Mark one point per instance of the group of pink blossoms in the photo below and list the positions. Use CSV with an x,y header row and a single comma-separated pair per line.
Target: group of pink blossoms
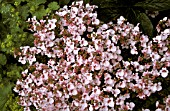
x,y
86,69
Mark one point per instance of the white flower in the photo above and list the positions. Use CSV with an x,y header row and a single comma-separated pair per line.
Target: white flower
x,y
84,42
51,24
157,103
74,10
108,88
75,103
91,108
59,94
75,51
158,109
104,26
167,31
51,100
62,13
90,29
155,56
83,106
164,72
108,42
132,105
106,63
157,39
120,73
85,96
154,88
51,62
120,20
16,90
96,22
116,92
136,28
90,49
126,64
159,87
22,60
70,86
74,92
122,84
133,51
31,59
111,103
52,35
111,32
29,80
97,67
165,19
113,48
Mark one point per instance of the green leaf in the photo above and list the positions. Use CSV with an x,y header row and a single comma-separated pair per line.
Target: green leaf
x,y
24,14
154,5
86,1
53,6
9,1
4,92
96,2
3,59
6,8
40,12
38,2
146,24
63,2
110,13
110,4
35,3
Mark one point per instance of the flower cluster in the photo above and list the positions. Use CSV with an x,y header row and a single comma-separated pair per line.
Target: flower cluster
x,y
87,68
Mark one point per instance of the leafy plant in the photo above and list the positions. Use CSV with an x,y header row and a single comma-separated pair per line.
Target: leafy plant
x,y
4,92
14,33
133,10
3,59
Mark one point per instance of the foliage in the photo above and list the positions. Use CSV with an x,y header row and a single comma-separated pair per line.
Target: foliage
x,y
4,92
154,5
12,104
133,10
13,34
3,59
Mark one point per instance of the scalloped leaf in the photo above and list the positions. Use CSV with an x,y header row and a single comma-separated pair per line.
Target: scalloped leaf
x,y
35,3
154,5
3,59
4,92
5,9
63,2
53,6
38,2
40,12
24,14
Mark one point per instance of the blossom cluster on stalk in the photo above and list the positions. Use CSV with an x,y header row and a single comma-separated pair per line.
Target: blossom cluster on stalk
x,y
86,68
